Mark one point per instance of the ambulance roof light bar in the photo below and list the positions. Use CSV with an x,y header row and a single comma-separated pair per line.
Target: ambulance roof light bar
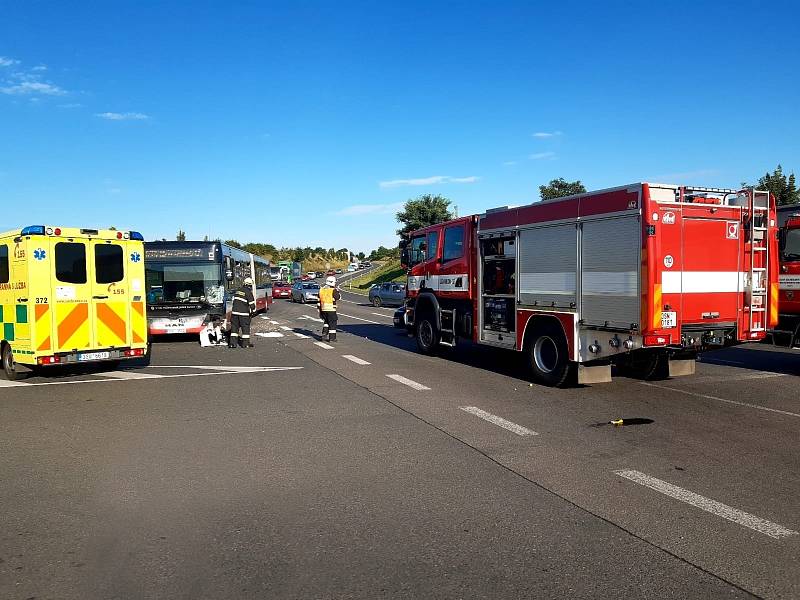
x,y
33,230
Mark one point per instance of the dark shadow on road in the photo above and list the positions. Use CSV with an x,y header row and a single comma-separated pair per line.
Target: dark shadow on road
x,y
758,357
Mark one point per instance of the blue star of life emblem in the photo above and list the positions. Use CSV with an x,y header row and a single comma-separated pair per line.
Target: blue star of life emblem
x,y
39,254
136,257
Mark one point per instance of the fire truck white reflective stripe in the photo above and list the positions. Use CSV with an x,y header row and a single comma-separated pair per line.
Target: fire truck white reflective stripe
x,y
444,283
699,282
241,314
547,283
610,283
789,282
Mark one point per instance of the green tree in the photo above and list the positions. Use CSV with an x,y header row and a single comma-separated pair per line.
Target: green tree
x,y
560,187
422,211
783,188
233,243
361,256
181,237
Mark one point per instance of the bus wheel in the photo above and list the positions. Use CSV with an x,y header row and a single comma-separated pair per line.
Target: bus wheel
x,y
9,364
427,335
548,358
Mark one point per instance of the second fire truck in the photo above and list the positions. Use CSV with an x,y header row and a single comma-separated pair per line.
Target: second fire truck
x,y
642,276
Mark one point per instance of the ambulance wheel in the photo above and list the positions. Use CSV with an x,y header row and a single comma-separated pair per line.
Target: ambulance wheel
x,y
548,356
9,364
427,335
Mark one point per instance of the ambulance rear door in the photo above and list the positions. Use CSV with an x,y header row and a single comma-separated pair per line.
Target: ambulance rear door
x,y
110,297
71,296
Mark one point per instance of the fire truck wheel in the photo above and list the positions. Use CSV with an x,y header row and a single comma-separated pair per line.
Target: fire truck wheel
x,y
9,364
646,365
548,356
427,335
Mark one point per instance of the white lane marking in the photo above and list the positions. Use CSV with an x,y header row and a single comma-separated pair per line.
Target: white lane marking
x,y
499,421
355,359
410,383
707,397
300,335
323,345
274,323
228,371
271,334
360,319
719,509
308,318
382,315
127,374
285,328
742,377
349,301
6,383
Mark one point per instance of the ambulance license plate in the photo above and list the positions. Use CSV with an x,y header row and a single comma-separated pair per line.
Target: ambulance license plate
x,y
669,319
94,356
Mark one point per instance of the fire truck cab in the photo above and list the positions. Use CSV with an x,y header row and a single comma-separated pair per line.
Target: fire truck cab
x,y
787,331
643,276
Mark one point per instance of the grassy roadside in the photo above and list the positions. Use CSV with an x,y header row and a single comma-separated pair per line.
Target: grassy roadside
x,y
389,271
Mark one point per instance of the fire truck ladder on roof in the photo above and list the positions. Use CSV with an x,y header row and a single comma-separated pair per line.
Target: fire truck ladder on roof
x,y
759,259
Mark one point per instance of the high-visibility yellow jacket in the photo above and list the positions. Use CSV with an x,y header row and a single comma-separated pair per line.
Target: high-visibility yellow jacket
x,y
327,299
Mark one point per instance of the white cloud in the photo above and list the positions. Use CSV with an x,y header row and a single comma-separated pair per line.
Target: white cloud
x,y
510,163
114,190
434,180
542,155
546,134
128,116
7,62
358,210
70,105
39,68
29,87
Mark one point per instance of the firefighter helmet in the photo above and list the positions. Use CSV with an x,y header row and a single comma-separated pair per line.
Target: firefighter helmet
x,y
248,281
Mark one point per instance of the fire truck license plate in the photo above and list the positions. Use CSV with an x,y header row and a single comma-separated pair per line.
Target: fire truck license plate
x,y
94,356
669,319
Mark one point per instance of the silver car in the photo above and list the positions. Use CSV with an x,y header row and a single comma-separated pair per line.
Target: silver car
x,y
305,291
389,293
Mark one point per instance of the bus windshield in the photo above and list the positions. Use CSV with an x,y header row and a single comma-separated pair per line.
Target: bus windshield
x,y
184,283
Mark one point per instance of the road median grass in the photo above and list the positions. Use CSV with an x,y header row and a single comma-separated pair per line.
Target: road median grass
x,y
388,271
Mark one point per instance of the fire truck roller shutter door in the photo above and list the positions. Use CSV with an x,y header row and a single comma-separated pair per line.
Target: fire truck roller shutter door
x,y
611,250
548,258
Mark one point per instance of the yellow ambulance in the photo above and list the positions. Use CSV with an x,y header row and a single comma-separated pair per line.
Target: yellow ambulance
x,y
70,296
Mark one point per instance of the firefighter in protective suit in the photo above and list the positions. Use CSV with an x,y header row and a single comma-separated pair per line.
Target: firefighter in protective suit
x,y
244,306
328,297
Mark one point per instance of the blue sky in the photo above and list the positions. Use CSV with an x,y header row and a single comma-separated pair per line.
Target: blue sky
x,y
309,123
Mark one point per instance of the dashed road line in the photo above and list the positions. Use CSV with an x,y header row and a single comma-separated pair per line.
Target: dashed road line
x,y
385,316
285,328
741,377
271,334
410,383
297,334
360,319
355,359
718,399
499,421
323,345
719,509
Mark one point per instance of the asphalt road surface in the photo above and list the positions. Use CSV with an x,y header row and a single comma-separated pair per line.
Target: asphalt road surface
x,y
362,469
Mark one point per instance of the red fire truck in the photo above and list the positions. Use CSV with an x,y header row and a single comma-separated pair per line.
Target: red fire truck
x,y
643,276
788,329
